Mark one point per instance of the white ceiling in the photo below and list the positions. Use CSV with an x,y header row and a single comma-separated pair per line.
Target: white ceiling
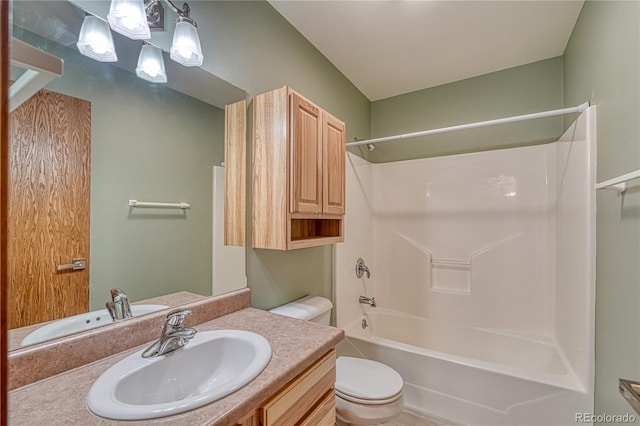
x,y
387,48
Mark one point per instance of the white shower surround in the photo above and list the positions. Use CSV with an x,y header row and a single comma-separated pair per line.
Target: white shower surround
x,y
483,267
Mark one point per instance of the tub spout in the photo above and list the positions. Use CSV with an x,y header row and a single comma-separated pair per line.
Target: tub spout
x,y
371,301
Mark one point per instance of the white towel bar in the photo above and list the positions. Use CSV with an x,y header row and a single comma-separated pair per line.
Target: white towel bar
x,y
149,204
620,183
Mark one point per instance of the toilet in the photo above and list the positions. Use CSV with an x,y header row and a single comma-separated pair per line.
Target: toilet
x,y
367,392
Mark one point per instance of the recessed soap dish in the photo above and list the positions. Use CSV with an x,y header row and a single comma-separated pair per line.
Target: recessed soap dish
x,y
630,390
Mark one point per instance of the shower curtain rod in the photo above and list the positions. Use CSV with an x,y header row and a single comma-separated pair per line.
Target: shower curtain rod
x,y
580,108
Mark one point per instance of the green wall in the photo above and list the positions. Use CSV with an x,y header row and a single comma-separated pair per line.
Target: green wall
x,y
521,90
256,49
249,44
152,144
253,47
601,64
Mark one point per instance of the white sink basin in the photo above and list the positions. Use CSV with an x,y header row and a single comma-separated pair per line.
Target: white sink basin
x,y
82,322
211,366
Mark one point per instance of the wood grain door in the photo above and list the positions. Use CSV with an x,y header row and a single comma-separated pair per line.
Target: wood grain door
x,y
306,156
334,138
49,164
235,173
4,163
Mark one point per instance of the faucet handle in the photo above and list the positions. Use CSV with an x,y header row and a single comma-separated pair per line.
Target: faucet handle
x,y
117,294
361,269
111,308
177,316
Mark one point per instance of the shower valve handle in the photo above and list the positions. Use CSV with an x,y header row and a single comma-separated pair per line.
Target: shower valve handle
x,y
361,269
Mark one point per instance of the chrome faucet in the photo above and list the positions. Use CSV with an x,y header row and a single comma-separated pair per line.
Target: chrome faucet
x,y
361,268
371,301
174,334
118,306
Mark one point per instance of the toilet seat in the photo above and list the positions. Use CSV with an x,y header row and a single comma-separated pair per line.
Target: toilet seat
x,y
368,382
368,401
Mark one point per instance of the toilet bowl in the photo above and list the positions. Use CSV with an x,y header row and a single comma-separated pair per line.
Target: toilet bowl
x,y
367,392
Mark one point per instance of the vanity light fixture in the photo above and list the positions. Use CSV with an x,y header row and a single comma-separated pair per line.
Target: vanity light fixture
x,y
95,40
133,19
129,18
186,48
151,64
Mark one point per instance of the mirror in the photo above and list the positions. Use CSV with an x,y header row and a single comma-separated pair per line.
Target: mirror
x,y
149,142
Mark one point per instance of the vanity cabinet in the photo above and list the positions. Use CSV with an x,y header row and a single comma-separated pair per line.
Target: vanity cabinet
x,y
298,173
309,399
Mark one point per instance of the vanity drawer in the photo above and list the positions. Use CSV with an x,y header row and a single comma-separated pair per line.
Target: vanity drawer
x,y
306,397
252,419
324,414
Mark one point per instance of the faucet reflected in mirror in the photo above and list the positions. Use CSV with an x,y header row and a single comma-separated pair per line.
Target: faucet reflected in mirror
x,y
146,140
118,306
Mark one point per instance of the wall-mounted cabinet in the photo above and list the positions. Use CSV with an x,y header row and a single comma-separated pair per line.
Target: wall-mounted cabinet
x,y
298,173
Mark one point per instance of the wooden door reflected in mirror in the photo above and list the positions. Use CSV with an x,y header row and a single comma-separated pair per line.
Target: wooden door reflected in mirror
x,y
49,167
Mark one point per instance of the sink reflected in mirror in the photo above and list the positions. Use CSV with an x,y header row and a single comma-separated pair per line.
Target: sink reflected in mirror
x,y
82,322
211,366
148,141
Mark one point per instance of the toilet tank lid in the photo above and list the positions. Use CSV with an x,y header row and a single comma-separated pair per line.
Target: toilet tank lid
x,y
307,308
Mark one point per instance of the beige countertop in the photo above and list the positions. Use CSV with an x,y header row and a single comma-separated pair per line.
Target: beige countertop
x,y
61,399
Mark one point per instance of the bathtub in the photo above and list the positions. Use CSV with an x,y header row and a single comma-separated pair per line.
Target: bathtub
x,y
471,375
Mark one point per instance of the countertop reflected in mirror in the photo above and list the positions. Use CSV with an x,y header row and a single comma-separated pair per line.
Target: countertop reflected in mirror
x,y
149,141
16,335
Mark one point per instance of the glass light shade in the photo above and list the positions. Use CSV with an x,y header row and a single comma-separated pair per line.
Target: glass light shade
x,y
151,65
95,40
129,18
186,48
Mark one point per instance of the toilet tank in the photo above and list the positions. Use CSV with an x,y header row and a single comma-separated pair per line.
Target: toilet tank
x,y
309,308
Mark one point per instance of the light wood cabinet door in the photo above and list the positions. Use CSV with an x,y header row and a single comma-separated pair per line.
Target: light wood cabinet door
x,y
333,164
252,419
324,413
306,156
235,173
308,400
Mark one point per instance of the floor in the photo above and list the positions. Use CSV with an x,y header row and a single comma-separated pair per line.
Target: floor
x,y
409,419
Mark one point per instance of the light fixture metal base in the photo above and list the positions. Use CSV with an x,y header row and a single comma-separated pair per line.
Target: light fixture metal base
x,y
155,15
